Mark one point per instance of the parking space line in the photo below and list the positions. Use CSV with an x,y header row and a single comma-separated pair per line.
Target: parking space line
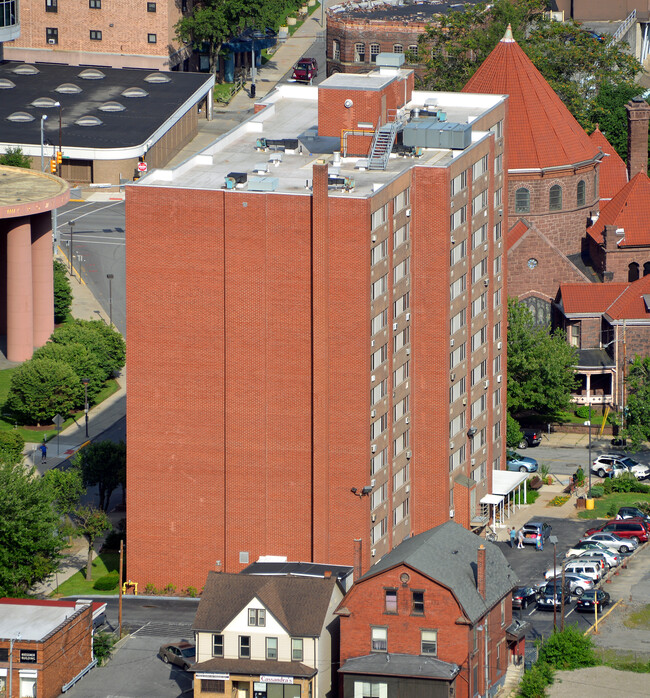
x,y
533,611
566,615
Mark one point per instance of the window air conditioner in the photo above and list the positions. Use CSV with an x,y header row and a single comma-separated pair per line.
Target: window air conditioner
x,y
407,489
453,376
372,342
451,343
498,379
372,379
408,317
499,345
464,401
373,552
394,326
408,454
452,239
406,420
373,238
473,461
408,351
408,212
451,513
373,413
373,448
486,282
373,518
486,385
485,247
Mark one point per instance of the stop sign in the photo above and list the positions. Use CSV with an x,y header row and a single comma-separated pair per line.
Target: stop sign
x,y
142,167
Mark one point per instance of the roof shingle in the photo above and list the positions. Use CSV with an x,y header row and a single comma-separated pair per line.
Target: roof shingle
x,y
612,175
619,301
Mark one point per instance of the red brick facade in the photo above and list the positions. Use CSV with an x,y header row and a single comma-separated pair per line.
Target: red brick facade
x,y
458,641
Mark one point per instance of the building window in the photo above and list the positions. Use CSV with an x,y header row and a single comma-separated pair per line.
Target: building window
x,y
379,530
391,600
499,658
400,236
497,231
633,271
398,48
213,686
360,53
52,35
539,309
646,268
379,287
480,167
459,183
257,617
479,236
379,217
479,304
379,461
244,647
458,218
401,270
95,35
458,252
369,689
417,606
379,638
522,200
574,335
378,357
457,287
429,642
374,52
413,51
217,645
271,647
555,198
51,6
151,7
379,252
378,496
582,192
152,38
296,649
503,612
95,4
336,50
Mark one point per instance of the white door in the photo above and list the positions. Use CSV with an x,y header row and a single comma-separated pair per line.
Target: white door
x,y
27,687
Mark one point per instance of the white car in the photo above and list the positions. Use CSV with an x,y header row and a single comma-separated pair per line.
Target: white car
x,y
584,546
614,465
612,541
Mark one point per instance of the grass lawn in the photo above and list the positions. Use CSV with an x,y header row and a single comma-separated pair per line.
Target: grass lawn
x,y
639,619
77,584
619,499
295,26
36,434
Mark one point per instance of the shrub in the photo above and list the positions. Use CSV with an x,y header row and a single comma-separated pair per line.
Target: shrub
x,y
192,592
608,485
568,650
596,492
612,510
535,680
11,447
103,644
583,412
531,496
42,388
150,589
14,157
170,589
628,483
62,292
107,582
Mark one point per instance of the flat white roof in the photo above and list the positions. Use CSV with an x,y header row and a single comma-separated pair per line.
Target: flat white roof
x,y
291,112
31,622
505,481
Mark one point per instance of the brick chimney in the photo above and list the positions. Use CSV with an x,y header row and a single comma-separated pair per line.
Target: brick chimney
x,y
638,116
609,237
357,559
480,570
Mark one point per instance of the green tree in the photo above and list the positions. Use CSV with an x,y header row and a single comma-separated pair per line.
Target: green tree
x,y
103,464
540,365
66,487
11,447
638,402
14,157
41,388
568,650
91,523
104,342
31,539
514,435
575,63
81,361
62,292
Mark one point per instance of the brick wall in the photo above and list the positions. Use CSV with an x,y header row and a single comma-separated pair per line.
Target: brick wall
x,y
366,603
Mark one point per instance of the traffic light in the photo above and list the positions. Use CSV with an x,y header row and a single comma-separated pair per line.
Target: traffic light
x,y
53,166
59,157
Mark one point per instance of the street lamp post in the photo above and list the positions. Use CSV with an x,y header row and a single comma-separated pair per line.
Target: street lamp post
x,y
85,381
589,463
43,120
58,104
11,662
110,278
553,539
71,224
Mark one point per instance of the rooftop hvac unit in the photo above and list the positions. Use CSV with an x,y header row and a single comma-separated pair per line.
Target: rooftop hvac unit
x,y
263,183
236,180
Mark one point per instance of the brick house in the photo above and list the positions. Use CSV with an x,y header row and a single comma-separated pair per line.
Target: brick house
x,y
608,324
432,617
45,645
267,636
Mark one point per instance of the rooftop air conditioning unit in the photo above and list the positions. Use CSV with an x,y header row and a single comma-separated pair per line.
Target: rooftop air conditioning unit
x,y
373,413
408,454
373,448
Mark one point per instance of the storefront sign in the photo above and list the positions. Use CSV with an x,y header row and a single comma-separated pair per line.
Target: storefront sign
x,y
276,679
214,677
28,656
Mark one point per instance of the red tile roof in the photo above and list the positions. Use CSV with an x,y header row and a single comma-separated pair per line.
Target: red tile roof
x,y
542,132
620,301
629,210
612,173
518,230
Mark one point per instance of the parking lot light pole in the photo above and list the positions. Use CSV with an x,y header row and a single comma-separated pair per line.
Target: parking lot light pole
x,y
110,278
85,381
589,463
553,539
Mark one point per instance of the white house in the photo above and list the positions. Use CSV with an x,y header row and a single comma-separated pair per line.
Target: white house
x,y
261,636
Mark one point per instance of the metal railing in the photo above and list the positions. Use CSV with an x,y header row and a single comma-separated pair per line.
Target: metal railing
x,y
623,29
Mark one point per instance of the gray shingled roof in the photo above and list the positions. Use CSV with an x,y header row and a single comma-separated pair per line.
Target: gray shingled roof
x,y
386,664
299,604
448,554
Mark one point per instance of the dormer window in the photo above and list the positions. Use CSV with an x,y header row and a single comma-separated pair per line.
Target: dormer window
x,y
257,617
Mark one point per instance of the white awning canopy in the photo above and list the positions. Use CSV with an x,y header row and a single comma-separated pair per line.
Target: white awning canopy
x,y
492,499
505,481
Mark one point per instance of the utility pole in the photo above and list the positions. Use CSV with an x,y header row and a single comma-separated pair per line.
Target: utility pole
x,y
119,606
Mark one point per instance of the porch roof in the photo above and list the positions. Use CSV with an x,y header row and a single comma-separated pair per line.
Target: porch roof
x,y
505,481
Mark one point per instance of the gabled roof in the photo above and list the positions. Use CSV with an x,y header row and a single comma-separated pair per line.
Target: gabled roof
x,y
629,210
618,301
299,604
541,130
612,175
447,554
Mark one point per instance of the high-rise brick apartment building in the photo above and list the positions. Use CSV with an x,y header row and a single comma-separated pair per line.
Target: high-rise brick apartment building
x,y
109,33
335,330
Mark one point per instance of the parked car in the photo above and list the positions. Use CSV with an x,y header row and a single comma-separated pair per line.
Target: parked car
x,y
591,598
551,599
533,529
633,529
610,558
615,464
612,541
587,568
578,583
523,596
183,654
305,70
523,464
632,513
531,437
579,548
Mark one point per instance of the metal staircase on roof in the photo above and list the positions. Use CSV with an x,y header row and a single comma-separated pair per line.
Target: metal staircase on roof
x,y
382,145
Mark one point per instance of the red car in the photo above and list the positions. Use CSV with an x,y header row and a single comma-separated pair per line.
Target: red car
x,y
627,528
305,70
